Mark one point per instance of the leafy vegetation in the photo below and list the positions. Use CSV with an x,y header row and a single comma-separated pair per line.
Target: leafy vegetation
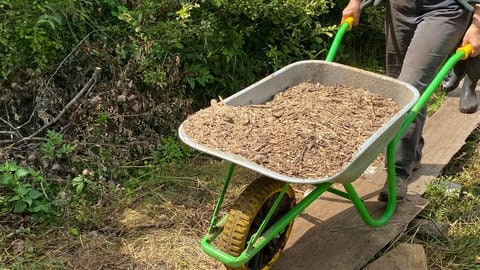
x,y
54,146
23,191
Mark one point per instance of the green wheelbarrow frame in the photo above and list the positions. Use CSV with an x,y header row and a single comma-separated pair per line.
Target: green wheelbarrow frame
x,y
263,235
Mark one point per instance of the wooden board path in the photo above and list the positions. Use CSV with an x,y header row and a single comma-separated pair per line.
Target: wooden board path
x,y
330,234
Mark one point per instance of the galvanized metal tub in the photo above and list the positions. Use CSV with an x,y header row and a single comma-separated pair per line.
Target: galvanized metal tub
x,y
318,71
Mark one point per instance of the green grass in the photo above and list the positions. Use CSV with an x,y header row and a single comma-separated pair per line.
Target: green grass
x,y
459,247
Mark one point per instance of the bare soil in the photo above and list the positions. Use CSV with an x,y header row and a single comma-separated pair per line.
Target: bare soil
x,y
310,130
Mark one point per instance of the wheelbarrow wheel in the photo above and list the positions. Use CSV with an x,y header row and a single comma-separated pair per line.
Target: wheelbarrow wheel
x,y
245,217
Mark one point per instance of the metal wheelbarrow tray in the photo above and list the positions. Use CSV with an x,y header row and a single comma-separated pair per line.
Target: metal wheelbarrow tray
x,y
328,73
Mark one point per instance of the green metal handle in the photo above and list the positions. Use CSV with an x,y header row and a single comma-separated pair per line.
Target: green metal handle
x,y
345,26
461,54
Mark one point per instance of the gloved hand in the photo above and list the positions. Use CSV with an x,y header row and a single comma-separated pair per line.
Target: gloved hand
x,y
366,3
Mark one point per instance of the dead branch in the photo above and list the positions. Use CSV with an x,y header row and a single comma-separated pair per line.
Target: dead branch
x,y
12,127
91,82
53,74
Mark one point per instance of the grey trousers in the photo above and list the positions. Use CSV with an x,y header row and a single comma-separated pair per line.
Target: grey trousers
x,y
420,35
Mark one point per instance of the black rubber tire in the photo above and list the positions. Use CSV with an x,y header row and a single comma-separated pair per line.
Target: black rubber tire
x,y
245,217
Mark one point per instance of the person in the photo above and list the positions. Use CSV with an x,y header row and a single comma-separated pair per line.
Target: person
x,y
469,69
420,35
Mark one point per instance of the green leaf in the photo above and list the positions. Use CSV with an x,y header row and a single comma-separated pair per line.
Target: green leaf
x,y
20,207
34,194
22,190
57,18
79,188
51,6
191,82
14,198
37,176
6,179
4,41
28,200
73,232
55,137
21,172
38,208
9,167
46,19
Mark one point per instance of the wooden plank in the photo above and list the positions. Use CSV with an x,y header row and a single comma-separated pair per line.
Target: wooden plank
x,y
344,241
331,235
404,256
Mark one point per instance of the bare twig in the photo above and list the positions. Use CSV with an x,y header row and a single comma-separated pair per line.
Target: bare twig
x,y
71,52
55,72
260,106
5,142
12,127
85,88
261,146
7,132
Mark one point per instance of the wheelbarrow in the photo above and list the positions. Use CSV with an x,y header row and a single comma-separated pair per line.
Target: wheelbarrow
x,y
256,229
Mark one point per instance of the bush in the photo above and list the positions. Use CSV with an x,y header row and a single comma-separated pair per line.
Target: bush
x,y
204,49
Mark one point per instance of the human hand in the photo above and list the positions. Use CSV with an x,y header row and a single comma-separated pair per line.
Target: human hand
x,y
352,10
472,35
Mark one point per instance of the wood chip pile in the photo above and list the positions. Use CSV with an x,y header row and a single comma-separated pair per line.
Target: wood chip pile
x,y
309,131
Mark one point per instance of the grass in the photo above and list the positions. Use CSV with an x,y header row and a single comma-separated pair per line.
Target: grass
x,y
459,248
155,223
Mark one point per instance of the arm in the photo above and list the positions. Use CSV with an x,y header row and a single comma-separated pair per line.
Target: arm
x,y
472,35
353,10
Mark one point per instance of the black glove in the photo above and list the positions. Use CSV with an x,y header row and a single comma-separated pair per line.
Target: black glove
x,y
366,3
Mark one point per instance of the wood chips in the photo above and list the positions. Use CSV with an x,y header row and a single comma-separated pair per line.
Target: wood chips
x,y
307,131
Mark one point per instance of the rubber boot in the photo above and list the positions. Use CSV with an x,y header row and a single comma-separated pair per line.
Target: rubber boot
x,y
468,97
453,79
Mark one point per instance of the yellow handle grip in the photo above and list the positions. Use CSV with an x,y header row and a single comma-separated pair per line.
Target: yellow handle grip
x,y
467,50
350,20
